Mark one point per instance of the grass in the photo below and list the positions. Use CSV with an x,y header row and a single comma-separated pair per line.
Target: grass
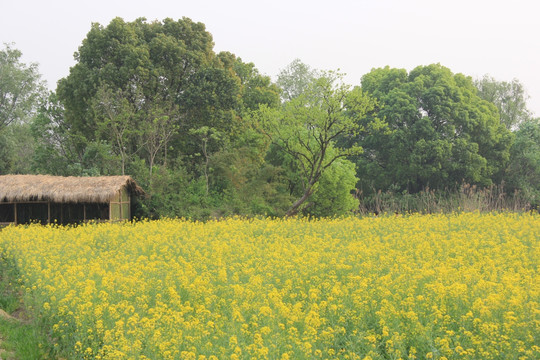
x,y
20,338
19,341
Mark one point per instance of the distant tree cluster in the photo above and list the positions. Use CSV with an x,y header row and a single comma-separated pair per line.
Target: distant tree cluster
x,y
208,136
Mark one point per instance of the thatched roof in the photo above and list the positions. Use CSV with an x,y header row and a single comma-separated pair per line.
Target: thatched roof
x,y
101,189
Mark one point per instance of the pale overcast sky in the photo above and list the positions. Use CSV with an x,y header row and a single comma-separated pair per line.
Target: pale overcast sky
x,y
473,37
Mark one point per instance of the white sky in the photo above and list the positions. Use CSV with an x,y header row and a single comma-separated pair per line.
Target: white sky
x,y
473,37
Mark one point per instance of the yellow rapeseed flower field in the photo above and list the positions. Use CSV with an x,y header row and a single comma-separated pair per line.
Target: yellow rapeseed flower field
x,y
461,286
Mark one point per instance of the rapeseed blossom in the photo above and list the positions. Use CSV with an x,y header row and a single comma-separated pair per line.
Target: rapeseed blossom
x,y
461,286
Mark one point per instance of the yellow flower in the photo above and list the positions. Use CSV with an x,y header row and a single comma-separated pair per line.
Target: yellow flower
x,y
285,288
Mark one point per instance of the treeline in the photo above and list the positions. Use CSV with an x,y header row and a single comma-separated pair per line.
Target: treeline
x,y
207,135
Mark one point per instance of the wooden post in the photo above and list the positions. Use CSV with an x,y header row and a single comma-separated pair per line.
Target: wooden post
x,y
49,212
84,212
120,199
15,210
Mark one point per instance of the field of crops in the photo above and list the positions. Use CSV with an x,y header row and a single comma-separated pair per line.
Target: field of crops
x,y
463,286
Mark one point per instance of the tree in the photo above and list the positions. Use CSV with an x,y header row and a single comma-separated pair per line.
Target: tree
x,y
206,134
58,149
16,147
212,99
308,126
21,91
164,66
115,118
150,66
509,97
333,195
256,89
143,98
159,126
523,173
438,132
295,79
21,88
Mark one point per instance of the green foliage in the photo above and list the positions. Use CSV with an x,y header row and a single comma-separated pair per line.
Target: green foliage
x,y
296,79
211,98
175,193
523,173
251,185
510,99
5,154
21,90
207,135
333,194
56,151
116,120
21,87
255,89
143,70
439,133
16,146
308,126
156,95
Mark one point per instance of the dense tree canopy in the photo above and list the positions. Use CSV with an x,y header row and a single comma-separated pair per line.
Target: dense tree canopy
x,y
150,84
439,131
149,65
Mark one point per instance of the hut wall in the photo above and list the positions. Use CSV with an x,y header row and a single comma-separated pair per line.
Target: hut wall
x,y
49,212
120,206
31,212
75,213
97,211
7,213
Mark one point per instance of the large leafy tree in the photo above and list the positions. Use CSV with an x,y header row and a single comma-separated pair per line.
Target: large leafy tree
x,y
150,84
145,67
439,132
21,87
308,126
21,91
139,101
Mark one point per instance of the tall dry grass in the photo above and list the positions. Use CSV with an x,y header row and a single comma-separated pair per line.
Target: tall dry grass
x,y
466,198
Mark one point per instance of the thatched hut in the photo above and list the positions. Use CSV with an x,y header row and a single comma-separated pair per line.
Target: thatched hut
x,y
64,200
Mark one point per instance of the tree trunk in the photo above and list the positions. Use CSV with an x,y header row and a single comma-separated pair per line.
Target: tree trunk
x,y
206,161
294,208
